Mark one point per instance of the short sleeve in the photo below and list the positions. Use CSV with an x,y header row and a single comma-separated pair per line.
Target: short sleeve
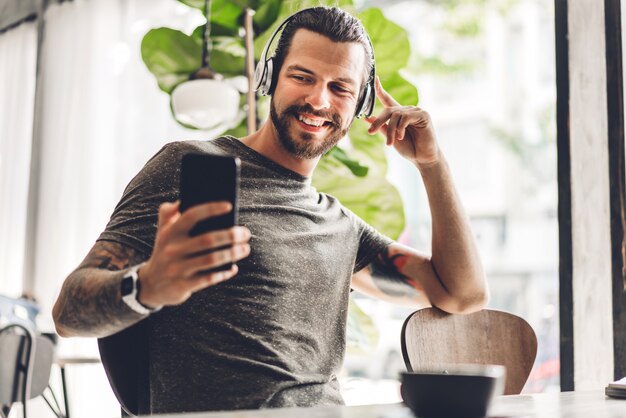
x,y
371,242
134,220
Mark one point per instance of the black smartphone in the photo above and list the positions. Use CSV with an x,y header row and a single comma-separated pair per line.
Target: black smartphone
x,y
209,178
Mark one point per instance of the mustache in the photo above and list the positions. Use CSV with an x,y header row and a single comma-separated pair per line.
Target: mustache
x,y
334,118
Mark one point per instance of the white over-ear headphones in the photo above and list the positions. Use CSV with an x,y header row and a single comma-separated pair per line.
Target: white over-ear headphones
x,y
264,75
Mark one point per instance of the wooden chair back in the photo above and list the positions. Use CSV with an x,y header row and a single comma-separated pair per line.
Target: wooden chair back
x,y
432,337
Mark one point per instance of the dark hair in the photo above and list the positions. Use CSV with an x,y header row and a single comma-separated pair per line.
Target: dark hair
x,y
332,22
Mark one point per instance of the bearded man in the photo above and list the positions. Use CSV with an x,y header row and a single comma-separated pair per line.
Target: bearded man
x,y
270,332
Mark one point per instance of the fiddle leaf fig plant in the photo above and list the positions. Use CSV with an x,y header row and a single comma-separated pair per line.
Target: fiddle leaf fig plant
x,y
353,172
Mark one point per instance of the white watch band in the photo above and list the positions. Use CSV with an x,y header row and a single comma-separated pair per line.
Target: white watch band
x,y
130,298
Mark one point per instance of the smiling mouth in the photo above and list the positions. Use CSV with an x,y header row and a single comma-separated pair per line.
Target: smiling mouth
x,y
313,122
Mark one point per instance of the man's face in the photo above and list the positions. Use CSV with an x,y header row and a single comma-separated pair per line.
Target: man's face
x,y
315,98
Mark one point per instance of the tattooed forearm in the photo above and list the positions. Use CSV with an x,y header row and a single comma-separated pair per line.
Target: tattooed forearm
x,y
90,304
385,271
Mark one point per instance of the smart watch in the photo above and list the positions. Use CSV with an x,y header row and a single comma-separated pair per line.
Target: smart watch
x,y
130,287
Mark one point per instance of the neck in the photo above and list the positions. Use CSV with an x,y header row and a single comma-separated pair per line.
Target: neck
x,y
265,142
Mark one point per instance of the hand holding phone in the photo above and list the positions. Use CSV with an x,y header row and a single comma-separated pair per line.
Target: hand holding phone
x,y
210,178
181,265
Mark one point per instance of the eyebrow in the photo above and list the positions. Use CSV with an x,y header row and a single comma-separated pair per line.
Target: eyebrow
x,y
297,67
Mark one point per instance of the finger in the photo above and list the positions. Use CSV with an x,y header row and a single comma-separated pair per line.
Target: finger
x,y
393,126
404,123
383,127
384,130
379,120
385,98
214,259
216,239
211,279
201,212
167,211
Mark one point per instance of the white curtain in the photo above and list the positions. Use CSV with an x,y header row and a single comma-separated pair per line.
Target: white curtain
x,y
103,116
18,56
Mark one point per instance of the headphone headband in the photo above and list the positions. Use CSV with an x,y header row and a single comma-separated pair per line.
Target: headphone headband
x,y
264,73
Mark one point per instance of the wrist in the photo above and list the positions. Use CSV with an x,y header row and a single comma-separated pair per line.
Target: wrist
x,y
129,290
425,164
143,290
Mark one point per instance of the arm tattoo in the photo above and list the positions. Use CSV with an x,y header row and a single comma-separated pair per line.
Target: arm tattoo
x,y
387,277
90,303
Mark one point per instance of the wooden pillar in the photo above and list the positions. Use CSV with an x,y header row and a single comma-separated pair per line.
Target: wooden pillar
x,y
590,278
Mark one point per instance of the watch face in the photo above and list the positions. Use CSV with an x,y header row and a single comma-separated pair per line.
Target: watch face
x,y
127,286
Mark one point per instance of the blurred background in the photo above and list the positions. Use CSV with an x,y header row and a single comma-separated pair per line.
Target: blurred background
x,y
75,131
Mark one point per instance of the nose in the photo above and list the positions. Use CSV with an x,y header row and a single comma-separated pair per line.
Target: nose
x,y
318,97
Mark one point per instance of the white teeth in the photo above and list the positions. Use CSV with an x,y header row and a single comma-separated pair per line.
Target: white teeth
x,y
312,122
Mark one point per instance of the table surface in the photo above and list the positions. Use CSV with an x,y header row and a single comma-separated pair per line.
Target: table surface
x,y
587,404
65,360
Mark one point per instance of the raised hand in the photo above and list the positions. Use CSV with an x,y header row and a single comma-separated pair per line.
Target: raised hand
x,y
408,128
175,268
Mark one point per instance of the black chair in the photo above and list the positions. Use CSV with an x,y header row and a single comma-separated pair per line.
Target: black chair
x,y
125,359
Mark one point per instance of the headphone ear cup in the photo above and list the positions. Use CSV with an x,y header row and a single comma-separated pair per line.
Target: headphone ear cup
x,y
263,76
259,73
266,87
370,101
364,103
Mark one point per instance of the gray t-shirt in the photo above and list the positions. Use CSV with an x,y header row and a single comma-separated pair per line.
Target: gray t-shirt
x,y
274,335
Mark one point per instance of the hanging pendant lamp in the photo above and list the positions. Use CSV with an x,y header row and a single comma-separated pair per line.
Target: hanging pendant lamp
x,y
206,100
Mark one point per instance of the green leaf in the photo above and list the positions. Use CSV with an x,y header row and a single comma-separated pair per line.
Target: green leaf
x,y
400,89
238,131
390,41
253,4
171,56
370,149
262,38
228,56
266,14
196,4
346,5
196,35
287,8
354,166
372,198
225,18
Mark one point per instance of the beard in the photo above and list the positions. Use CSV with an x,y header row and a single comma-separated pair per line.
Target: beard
x,y
305,146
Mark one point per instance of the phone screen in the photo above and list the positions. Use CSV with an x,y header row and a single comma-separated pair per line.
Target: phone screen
x,y
210,178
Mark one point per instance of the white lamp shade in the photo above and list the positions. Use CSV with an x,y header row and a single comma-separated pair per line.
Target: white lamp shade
x,y
204,103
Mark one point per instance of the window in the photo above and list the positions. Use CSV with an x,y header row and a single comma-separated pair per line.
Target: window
x,y
485,72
